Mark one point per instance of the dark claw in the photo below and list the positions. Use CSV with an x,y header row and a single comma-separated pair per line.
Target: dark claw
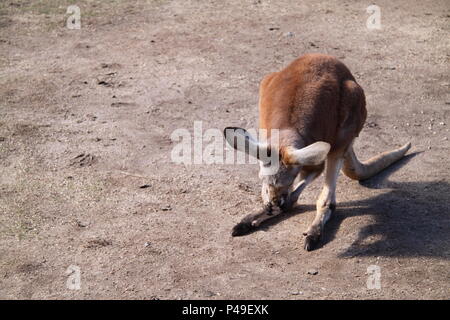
x,y
242,228
311,242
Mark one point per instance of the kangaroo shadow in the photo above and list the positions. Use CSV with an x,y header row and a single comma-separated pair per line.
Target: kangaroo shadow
x,y
410,219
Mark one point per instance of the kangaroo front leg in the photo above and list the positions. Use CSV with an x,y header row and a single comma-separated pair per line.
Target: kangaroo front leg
x,y
326,203
252,221
306,177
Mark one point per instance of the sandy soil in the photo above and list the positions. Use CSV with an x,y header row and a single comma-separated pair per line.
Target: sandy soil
x,y
86,177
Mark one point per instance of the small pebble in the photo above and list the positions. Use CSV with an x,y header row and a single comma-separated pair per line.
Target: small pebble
x,y
166,208
81,224
209,293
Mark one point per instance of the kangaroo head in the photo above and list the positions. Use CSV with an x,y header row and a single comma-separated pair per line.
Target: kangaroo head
x,y
279,166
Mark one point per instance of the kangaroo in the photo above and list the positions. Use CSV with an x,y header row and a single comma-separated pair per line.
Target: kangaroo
x,y
318,109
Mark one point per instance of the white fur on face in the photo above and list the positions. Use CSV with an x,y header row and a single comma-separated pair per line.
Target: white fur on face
x,y
275,188
265,193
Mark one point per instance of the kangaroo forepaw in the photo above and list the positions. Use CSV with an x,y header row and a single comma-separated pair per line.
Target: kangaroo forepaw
x,y
252,221
312,239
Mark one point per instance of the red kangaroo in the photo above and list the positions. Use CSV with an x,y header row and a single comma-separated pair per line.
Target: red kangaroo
x,y
318,109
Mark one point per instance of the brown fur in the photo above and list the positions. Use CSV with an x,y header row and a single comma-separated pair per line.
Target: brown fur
x,y
315,98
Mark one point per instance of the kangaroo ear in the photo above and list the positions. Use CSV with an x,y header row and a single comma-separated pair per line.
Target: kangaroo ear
x,y
241,140
312,155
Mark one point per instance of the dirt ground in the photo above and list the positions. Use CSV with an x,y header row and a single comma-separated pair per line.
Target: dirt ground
x,y
87,180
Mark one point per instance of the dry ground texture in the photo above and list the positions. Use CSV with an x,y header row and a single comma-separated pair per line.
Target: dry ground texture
x,y
86,177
